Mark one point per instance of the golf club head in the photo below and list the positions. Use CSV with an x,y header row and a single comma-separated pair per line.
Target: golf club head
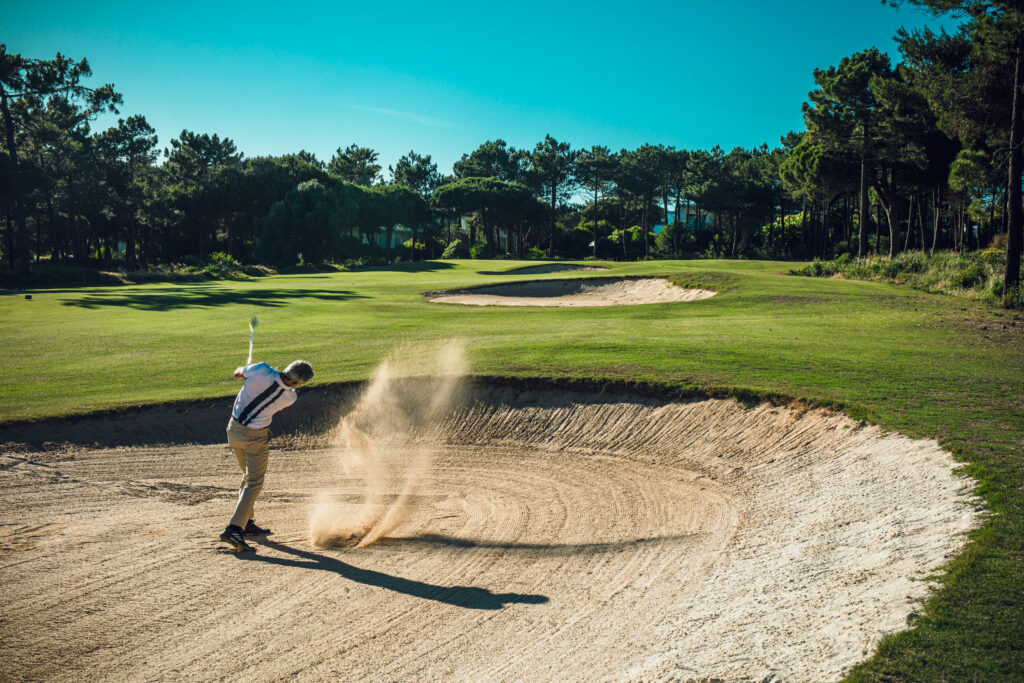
x,y
254,322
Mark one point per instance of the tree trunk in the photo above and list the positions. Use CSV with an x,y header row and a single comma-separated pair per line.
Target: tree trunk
x,y
803,224
1004,227
133,217
910,223
846,220
964,227
10,237
487,230
826,226
643,222
1015,218
958,230
554,197
864,218
878,223
782,219
892,228
50,226
735,236
21,237
675,226
935,217
771,229
39,236
920,220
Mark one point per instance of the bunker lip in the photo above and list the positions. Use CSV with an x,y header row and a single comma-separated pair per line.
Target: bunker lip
x,y
543,269
640,537
571,292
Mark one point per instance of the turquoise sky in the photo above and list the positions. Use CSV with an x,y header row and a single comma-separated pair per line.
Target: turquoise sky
x,y
440,78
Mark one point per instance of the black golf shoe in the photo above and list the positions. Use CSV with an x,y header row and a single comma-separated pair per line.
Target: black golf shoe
x,y
252,530
233,537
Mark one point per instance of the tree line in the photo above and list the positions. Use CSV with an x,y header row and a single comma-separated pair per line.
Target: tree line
x,y
920,154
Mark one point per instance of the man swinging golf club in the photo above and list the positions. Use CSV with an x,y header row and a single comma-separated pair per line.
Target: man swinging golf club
x,y
265,392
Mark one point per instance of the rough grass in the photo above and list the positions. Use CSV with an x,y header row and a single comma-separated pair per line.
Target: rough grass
x,y
921,364
974,275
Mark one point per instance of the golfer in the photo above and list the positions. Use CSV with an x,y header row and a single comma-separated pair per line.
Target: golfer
x,y
265,392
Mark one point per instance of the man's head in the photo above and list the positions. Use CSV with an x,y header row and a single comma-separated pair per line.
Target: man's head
x,y
297,374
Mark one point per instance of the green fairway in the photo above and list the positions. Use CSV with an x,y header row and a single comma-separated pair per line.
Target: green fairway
x,y
922,364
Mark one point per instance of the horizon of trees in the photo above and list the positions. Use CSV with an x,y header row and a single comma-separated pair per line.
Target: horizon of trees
x,y
921,154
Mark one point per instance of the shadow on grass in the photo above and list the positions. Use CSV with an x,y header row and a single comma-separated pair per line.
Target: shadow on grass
x,y
468,597
411,267
543,269
200,296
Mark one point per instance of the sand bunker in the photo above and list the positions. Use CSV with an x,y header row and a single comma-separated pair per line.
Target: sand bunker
x,y
543,269
582,292
557,537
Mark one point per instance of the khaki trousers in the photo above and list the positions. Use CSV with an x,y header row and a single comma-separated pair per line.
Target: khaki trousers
x,y
252,450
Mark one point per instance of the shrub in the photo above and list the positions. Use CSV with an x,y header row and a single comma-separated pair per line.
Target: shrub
x,y
1014,298
481,250
221,265
969,277
456,249
994,256
817,268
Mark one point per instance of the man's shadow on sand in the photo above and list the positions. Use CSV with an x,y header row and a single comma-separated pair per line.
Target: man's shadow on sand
x,y
469,597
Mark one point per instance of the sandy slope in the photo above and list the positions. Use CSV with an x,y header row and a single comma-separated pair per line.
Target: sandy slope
x,y
584,292
559,537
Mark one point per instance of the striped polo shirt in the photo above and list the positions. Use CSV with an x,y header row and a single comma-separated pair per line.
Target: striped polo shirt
x,y
262,395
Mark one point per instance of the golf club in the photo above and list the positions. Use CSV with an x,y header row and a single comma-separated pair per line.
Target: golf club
x,y
252,324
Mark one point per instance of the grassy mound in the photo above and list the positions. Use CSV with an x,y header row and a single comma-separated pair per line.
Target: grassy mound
x,y
976,274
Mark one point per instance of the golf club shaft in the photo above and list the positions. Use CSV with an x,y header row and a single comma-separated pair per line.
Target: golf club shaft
x,y
249,359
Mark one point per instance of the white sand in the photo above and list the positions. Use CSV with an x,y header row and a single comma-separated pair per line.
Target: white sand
x,y
574,292
557,537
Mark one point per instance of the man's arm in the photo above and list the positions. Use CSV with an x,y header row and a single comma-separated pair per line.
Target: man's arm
x,y
238,372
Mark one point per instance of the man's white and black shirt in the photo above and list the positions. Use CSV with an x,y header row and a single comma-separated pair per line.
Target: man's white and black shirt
x,y
262,395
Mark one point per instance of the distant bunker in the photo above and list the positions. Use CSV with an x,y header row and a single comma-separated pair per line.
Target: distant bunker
x,y
560,532
543,269
594,291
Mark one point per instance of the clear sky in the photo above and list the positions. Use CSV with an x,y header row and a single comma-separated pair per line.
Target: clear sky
x,y
441,78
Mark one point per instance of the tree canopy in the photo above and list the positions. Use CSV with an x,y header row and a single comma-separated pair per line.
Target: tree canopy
x,y
926,146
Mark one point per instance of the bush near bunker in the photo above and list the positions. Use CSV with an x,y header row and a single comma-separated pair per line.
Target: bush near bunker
x,y
977,274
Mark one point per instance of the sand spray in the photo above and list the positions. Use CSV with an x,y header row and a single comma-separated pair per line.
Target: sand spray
x,y
386,443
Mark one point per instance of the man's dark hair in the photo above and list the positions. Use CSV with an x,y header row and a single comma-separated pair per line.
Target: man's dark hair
x,y
299,371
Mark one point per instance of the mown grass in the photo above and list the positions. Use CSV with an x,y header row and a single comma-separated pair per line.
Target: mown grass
x,y
918,363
